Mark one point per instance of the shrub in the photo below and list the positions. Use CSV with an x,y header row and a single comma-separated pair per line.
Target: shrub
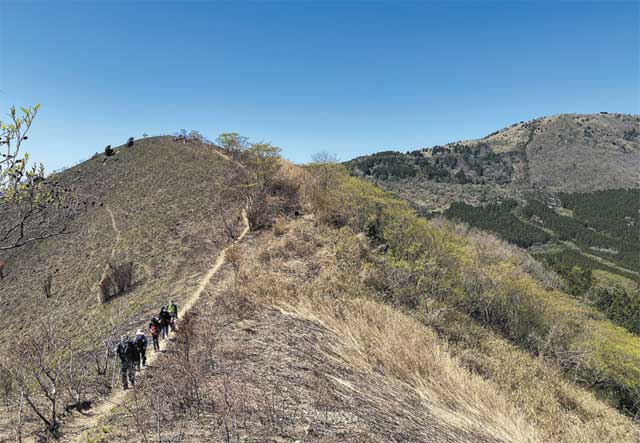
x,y
116,280
620,304
122,276
448,267
233,143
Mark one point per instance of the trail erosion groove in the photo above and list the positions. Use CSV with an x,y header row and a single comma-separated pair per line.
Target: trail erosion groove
x,y
114,225
76,431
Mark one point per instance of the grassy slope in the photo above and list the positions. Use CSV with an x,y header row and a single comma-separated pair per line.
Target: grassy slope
x,y
340,280
584,153
306,349
297,358
310,272
489,282
161,194
574,152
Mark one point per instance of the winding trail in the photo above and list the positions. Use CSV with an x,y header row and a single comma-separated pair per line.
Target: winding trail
x,y
77,430
114,225
116,230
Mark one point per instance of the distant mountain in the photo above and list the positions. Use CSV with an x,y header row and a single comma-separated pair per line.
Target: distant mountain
x,y
565,187
564,153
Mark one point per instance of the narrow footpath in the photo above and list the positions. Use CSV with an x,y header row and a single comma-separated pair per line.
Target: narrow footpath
x,y
76,430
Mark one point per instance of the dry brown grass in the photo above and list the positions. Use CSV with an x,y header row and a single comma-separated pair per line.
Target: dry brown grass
x,y
514,395
377,338
300,331
150,204
288,361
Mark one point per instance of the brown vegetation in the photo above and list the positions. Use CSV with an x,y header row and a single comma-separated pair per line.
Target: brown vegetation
x,y
321,295
561,153
116,280
358,322
155,198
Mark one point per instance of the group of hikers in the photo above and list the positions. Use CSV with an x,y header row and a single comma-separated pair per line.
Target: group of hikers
x,y
133,352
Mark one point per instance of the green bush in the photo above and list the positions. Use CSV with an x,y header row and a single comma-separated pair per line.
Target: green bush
x,y
438,264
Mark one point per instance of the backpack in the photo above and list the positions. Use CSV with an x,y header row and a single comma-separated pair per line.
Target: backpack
x,y
131,351
123,349
141,341
153,329
165,317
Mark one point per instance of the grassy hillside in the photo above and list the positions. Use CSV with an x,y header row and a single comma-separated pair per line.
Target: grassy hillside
x,y
359,321
566,187
443,272
146,204
291,356
597,231
153,205
321,335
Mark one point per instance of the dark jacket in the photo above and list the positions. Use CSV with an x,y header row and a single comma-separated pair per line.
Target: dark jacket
x,y
165,317
141,342
127,351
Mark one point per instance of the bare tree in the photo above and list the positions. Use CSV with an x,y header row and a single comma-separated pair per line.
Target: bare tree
x,y
39,370
234,257
255,183
324,157
233,143
226,210
32,209
116,280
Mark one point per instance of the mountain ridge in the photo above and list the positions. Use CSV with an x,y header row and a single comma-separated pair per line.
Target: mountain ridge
x,y
341,298
547,155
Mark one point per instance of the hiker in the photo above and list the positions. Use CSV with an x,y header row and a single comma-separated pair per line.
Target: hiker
x,y
141,345
154,329
165,319
128,354
173,311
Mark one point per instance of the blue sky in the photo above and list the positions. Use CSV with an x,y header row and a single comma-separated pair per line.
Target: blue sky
x,y
348,78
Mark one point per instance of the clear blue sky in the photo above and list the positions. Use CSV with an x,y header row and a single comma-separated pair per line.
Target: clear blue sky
x,y
348,78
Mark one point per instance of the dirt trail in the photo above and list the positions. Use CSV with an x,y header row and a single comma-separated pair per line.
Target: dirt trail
x,y
114,249
76,431
116,230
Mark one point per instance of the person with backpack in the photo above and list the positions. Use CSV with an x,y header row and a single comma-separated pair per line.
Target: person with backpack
x,y
154,329
128,355
165,320
141,344
172,308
